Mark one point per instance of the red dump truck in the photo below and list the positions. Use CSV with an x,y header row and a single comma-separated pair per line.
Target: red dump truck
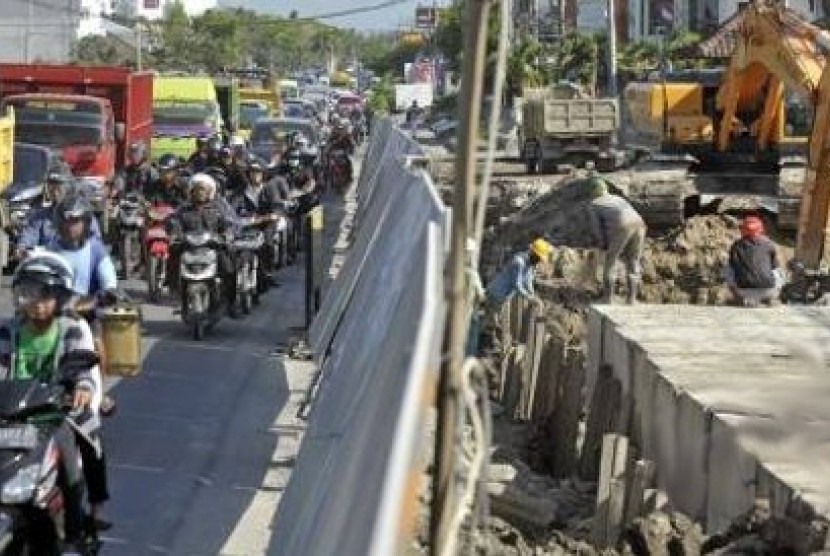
x,y
90,115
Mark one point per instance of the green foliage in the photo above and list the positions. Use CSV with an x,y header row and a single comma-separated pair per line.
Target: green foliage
x,y
237,37
102,51
382,97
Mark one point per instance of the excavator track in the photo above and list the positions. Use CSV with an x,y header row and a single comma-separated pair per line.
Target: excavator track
x,y
668,191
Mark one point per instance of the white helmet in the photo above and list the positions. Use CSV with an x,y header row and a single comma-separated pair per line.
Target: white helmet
x,y
203,180
237,141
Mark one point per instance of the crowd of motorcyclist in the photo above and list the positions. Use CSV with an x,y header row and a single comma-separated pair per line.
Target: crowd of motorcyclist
x,y
66,273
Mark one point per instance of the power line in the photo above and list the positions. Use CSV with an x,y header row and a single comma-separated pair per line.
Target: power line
x,y
360,10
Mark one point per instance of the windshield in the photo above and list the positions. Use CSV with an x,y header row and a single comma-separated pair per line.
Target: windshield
x,y
250,113
185,113
29,165
55,112
52,135
275,132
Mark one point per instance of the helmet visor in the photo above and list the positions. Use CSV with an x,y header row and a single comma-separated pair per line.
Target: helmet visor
x,y
29,292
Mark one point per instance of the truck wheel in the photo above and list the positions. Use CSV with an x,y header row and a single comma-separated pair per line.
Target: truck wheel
x,y
532,166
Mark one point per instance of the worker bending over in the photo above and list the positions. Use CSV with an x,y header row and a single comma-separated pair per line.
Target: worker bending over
x,y
753,273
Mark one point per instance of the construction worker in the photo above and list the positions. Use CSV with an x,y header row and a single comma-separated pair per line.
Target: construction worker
x,y
517,277
619,231
753,273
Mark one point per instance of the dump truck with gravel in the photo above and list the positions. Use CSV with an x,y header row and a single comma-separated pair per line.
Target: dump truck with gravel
x,y
562,126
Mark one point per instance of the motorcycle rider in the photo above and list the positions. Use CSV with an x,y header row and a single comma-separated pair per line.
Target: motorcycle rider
x,y
204,213
33,344
138,173
200,159
167,189
94,285
237,178
39,228
259,204
341,140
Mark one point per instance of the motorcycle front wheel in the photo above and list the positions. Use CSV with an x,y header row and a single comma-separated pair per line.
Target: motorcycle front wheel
x,y
198,330
155,278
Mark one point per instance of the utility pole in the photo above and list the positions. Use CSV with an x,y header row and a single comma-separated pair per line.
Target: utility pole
x,y
138,60
444,498
612,50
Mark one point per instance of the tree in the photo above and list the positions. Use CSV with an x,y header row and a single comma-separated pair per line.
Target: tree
x,y
99,50
293,14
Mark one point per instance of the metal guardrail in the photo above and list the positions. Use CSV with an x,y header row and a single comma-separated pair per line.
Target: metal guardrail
x,y
377,338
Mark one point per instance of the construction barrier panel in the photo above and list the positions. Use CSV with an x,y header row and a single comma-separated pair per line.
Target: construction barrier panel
x,y
354,488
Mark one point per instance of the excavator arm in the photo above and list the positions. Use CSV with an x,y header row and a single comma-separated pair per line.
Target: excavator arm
x,y
774,49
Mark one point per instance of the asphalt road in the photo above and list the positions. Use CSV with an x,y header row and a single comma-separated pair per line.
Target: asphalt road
x,y
203,441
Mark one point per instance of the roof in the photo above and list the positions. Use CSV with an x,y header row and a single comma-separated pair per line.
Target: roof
x,y
724,41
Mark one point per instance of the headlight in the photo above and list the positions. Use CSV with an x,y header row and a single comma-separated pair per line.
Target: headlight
x,y
22,486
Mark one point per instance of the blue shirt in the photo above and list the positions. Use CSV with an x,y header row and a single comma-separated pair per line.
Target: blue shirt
x,y
40,230
515,278
81,262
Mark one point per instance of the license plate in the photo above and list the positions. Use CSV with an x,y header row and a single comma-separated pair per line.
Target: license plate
x,y
18,437
156,233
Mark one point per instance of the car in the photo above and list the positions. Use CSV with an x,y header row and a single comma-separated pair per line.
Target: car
x,y
299,108
270,135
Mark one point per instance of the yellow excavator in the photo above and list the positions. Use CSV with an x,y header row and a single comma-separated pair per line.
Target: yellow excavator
x,y
719,135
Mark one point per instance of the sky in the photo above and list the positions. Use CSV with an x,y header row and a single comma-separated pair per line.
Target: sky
x,y
388,18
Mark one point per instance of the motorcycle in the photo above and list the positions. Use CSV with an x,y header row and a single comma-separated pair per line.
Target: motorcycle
x,y
245,248
129,220
31,500
157,248
201,284
338,171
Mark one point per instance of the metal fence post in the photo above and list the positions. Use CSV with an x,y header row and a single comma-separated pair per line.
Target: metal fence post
x,y
313,224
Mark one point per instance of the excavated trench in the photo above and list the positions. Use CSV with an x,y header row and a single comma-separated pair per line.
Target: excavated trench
x,y
535,508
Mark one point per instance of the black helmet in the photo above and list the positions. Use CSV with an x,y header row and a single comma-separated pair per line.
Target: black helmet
x,y
57,177
255,164
43,274
214,144
168,163
48,271
225,152
72,207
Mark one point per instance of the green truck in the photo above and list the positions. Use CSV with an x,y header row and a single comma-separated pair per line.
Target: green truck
x,y
184,108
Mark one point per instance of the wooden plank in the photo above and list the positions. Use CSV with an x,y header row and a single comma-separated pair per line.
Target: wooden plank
x,y
550,374
602,415
565,420
611,491
539,338
643,475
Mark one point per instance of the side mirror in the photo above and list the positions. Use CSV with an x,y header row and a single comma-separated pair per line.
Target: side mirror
x,y
120,131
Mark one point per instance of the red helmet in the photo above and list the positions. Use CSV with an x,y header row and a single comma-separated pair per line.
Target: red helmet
x,y
752,226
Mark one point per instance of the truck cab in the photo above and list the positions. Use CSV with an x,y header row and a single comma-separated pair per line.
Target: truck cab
x,y
184,108
82,128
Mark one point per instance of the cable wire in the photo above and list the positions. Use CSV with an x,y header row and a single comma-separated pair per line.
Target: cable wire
x,y
495,117
481,443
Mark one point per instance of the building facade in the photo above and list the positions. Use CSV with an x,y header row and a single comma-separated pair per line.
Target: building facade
x,y
39,31
155,9
648,19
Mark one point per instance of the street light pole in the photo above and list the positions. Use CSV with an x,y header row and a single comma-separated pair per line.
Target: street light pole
x,y
612,50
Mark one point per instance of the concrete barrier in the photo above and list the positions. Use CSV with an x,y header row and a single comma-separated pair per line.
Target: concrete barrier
x,y
377,338
729,403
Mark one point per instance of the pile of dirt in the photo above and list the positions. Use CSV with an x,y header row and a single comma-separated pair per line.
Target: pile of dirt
x,y
682,265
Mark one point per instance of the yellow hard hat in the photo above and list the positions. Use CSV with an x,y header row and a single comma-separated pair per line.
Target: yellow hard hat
x,y
541,248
